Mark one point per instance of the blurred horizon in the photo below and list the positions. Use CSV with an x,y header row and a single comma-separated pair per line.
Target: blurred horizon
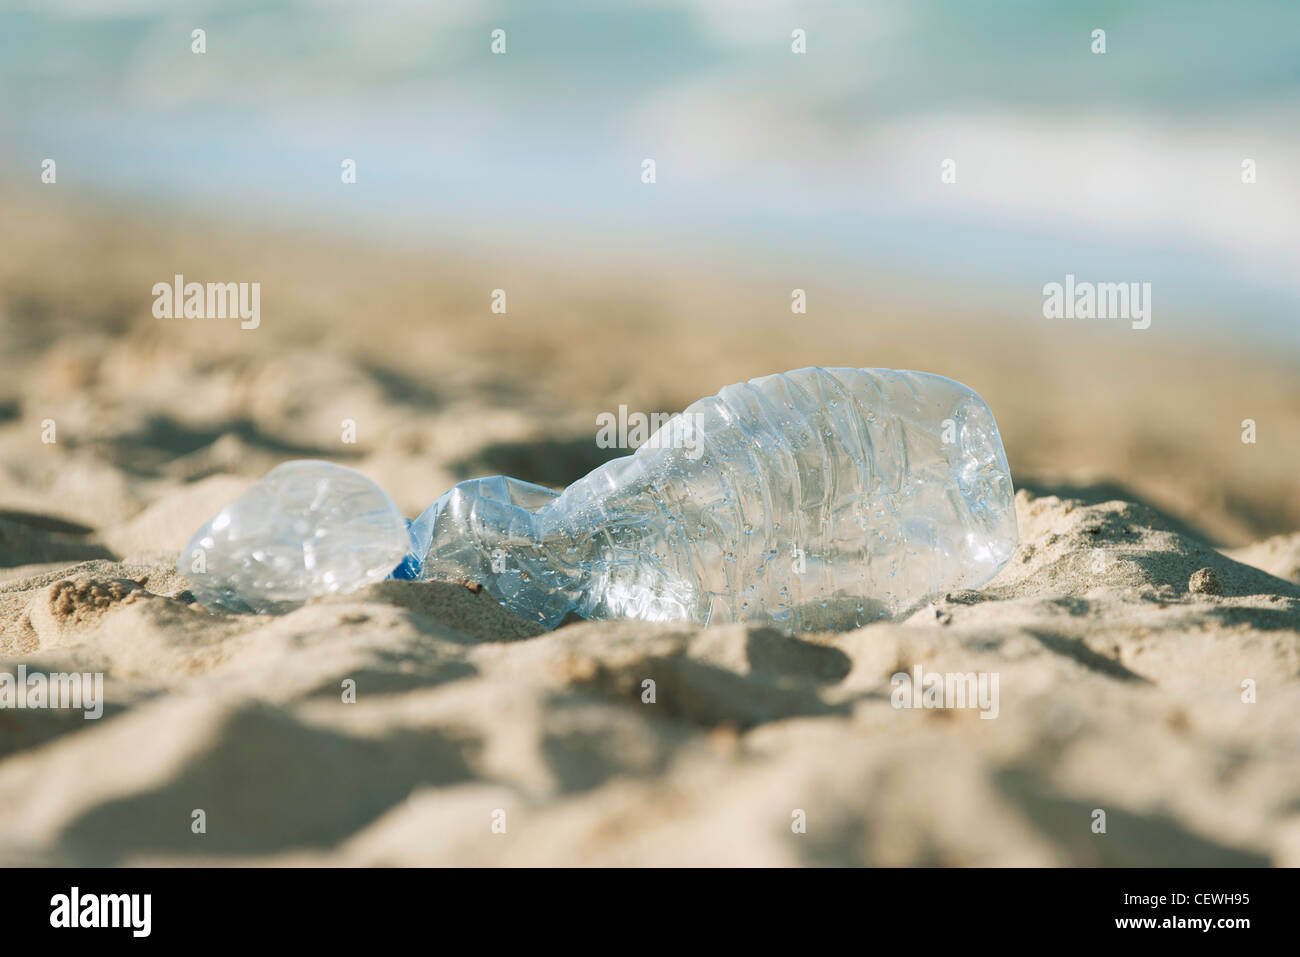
x,y
1122,167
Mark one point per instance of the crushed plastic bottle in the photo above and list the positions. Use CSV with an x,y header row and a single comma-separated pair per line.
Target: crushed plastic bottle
x,y
307,528
819,498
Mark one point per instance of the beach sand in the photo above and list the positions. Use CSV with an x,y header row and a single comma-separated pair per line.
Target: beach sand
x,y
1122,664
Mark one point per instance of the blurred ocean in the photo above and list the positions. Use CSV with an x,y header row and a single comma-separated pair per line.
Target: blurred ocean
x,y
1123,167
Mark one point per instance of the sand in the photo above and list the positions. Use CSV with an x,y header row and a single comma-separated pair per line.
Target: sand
x,y
1156,586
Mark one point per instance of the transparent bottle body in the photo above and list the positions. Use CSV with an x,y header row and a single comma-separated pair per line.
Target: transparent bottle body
x,y
818,498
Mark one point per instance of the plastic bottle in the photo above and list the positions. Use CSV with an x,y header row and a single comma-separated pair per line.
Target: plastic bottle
x,y
820,498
